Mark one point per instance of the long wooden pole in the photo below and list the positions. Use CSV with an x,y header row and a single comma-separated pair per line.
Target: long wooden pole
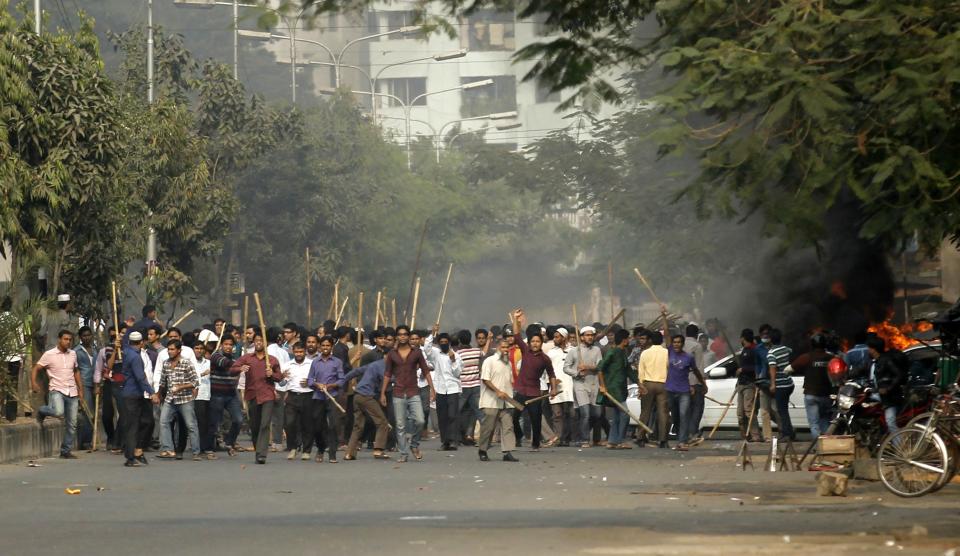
x,y
116,316
336,323
376,319
647,284
263,326
334,301
393,303
416,272
624,409
309,292
177,322
246,312
576,323
610,288
360,323
416,297
443,297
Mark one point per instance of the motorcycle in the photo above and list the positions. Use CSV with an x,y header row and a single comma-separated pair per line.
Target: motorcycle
x,y
860,413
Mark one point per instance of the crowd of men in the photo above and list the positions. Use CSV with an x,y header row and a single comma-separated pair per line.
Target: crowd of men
x,y
314,394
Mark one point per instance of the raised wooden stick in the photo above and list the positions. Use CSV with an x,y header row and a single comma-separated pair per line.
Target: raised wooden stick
x,y
116,317
416,297
376,319
393,303
360,324
647,284
309,292
331,398
624,409
263,326
177,322
539,398
726,408
443,297
336,323
610,288
246,312
334,301
576,323
416,271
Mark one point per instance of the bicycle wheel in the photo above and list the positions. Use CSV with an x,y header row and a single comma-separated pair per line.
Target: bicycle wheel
x,y
953,460
921,420
912,462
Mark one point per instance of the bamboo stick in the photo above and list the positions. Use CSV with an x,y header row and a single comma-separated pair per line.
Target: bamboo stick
x,y
116,317
336,323
309,292
177,322
416,297
376,319
647,284
443,297
394,304
624,409
246,312
360,322
416,271
610,287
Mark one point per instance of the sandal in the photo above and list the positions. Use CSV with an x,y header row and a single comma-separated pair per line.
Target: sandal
x,y
347,458
333,460
232,452
211,456
166,455
197,458
416,453
380,455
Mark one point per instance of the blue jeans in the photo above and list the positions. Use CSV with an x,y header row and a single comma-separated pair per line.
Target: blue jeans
x,y
782,399
586,416
62,405
618,427
168,413
818,413
890,416
679,412
231,404
409,412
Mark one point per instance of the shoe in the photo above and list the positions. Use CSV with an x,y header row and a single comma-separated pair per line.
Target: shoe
x,y
142,459
416,453
319,458
40,418
261,461
402,459
448,448
551,443
509,457
292,455
468,442
483,456
179,457
305,456
333,460
68,455
197,457
585,445
681,448
663,445
131,463
641,443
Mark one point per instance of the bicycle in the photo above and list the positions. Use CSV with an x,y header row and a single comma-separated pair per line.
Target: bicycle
x,y
924,456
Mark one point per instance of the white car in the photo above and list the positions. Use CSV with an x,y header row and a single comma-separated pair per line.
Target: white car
x,y
722,381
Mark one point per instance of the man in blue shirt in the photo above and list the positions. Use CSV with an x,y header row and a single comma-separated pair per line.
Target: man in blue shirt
x,y
136,411
365,405
86,359
326,373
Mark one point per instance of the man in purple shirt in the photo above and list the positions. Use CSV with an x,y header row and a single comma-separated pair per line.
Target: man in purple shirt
x,y
326,374
679,366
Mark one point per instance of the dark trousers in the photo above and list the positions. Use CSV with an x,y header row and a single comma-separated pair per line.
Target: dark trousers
x,y
782,398
260,417
109,410
201,409
298,421
469,411
534,414
448,417
182,433
276,419
138,424
215,411
326,422
697,401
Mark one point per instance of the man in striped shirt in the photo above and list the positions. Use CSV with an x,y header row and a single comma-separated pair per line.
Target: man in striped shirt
x,y
470,388
781,385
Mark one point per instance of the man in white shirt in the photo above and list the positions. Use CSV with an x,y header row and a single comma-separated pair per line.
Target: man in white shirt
x,y
496,389
298,409
564,414
447,366
201,403
276,419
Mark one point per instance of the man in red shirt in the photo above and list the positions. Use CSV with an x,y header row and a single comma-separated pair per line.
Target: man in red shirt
x,y
533,363
401,365
262,372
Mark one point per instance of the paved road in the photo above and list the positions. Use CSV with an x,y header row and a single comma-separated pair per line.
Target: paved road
x,y
561,501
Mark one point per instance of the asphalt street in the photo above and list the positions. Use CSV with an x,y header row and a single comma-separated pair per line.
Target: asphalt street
x,y
559,501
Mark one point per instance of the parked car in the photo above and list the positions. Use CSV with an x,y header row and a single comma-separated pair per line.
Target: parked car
x,y
722,380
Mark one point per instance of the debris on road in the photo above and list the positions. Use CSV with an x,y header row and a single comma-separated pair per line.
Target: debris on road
x,y
69,490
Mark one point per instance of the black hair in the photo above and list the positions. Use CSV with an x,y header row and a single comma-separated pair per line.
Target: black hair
x,y
227,339
173,329
230,329
273,333
747,334
860,337
402,327
656,338
341,332
620,336
692,331
63,332
389,331
639,331
454,341
328,338
464,337
877,343
483,331
156,328
299,345
764,328
681,337
147,309
175,343
292,326
375,334
84,329
776,336
218,319
189,338
328,325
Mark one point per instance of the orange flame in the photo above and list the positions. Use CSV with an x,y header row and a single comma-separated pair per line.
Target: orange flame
x,y
897,337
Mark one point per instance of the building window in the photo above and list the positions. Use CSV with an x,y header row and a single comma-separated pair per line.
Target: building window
x,y
499,97
382,22
540,27
545,95
406,89
488,30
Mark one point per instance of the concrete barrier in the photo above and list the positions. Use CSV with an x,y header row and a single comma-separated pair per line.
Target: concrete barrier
x,y
25,441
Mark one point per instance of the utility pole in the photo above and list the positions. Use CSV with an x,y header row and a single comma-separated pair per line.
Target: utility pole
x,y
151,263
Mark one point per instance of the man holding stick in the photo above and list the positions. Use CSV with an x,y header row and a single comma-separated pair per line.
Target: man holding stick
x,y
365,406
581,364
401,365
533,363
496,395
326,374
262,372
652,371
747,386
612,373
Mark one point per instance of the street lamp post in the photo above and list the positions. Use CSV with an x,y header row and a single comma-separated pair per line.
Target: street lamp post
x,y
339,58
500,127
494,116
407,108
36,16
436,58
236,19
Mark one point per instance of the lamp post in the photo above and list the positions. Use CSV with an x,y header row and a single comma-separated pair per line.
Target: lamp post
x,y
464,87
500,127
495,116
436,58
36,16
339,57
206,4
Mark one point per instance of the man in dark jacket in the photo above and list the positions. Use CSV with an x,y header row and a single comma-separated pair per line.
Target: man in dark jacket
x,y
889,372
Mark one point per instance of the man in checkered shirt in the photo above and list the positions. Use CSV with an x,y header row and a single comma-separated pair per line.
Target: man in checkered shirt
x,y
179,381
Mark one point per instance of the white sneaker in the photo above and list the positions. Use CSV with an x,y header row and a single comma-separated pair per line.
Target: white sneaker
x,y
292,455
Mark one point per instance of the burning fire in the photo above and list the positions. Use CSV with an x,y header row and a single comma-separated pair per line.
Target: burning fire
x,y
897,337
